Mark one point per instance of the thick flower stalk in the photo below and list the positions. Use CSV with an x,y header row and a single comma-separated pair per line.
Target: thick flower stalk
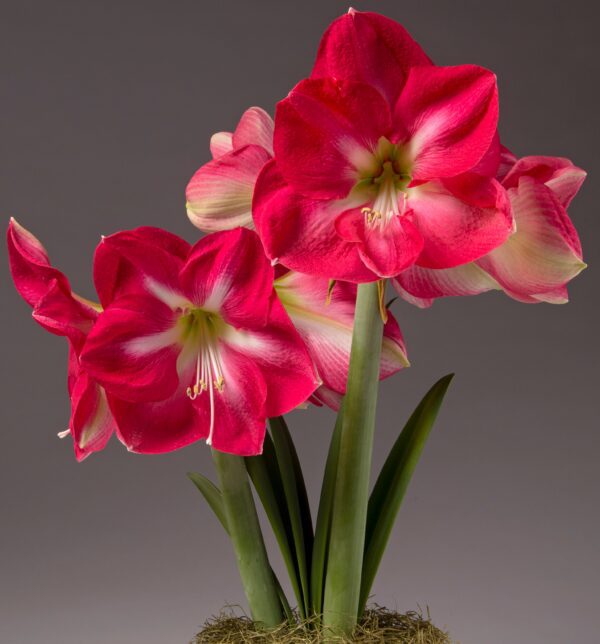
x,y
62,312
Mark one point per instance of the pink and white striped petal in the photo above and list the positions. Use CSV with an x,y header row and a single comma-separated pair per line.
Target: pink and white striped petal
x,y
325,324
545,252
420,286
220,144
255,128
559,174
219,195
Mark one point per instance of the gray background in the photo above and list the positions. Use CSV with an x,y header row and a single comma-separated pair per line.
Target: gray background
x,y
106,111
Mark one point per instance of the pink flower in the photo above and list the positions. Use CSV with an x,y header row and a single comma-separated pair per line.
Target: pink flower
x,y
325,324
193,342
62,312
538,259
219,195
382,160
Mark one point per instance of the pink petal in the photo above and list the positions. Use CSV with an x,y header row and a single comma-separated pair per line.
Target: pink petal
x,y
30,266
559,295
255,128
449,116
158,427
62,314
144,260
219,195
325,396
420,285
507,161
559,174
370,48
326,328
228,273
221,143
489,164
92,423
460,219
279,353
545,252
46,289
325,133
133,349
386,249
300,233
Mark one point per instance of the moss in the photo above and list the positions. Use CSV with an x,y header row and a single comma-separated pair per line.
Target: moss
x,y
378,625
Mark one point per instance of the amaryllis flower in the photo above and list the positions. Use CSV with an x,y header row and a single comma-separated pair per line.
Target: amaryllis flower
x,y
193,342
381,160
537,261
325,320
219,195
62,312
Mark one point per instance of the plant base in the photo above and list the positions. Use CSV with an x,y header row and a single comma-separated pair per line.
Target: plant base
x,y
378,625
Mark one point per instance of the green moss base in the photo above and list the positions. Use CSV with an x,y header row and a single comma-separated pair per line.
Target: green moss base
x,y
378,625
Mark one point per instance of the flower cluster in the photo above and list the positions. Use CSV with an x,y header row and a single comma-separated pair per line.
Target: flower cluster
x,y
381,165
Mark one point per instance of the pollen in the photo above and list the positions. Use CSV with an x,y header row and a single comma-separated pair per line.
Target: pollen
x,y
371,215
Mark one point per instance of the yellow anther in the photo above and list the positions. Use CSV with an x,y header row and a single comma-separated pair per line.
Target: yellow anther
x,y
372,215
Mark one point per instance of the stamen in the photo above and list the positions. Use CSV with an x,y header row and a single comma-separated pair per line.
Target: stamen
x,y
390,200
209,373
371,215
211,395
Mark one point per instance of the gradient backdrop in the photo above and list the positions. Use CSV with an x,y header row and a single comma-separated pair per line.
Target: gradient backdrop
x,y
106,111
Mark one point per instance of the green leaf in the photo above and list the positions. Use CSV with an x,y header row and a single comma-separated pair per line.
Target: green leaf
x,y
214,498
287,609
393,481
323,526
266,478
212,494
296,501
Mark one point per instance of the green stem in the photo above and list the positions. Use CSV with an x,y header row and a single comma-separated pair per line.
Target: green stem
x,y
343,580
244,529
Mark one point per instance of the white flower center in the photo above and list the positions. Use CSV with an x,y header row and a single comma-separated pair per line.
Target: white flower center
x,y
383,182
